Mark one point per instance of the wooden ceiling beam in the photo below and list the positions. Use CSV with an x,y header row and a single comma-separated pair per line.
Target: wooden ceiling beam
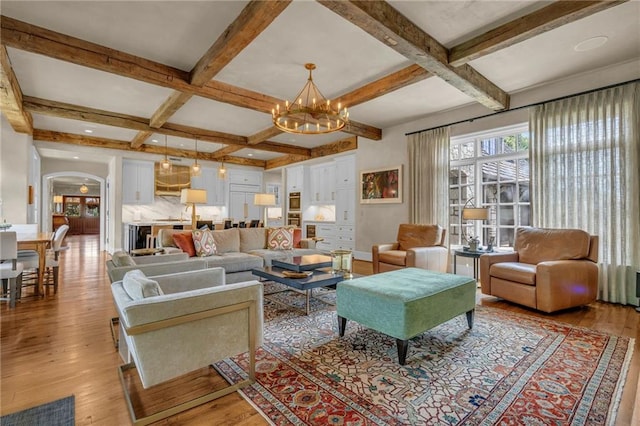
x,y
393,29
387,84
97,142
11,97
364,130
342,145
253,19
546,19
75,112
224,152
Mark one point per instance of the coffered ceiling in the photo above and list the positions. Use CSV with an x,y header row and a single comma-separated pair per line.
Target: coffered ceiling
x,y
125,75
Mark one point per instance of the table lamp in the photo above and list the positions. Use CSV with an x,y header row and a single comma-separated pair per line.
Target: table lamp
x,y
57,200
474,213
264,200
193,197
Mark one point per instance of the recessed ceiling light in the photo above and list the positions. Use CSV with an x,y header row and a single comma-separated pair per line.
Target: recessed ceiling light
x,y
88,131
590,43
76,157
250,155
154,140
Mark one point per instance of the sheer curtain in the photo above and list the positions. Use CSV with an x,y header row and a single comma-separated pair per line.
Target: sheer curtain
x,y
585,162
429,177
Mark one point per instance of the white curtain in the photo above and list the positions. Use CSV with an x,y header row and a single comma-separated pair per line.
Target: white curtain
x,y
585,163
429,177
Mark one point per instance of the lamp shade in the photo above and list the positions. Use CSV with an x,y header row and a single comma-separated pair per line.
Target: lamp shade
x,y
57,199
475,213
264,199
195,196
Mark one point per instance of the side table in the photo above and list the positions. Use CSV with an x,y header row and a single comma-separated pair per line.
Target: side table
x,y
475,255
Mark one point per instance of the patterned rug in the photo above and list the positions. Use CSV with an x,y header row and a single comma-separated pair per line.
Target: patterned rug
x,y
56,413
509,369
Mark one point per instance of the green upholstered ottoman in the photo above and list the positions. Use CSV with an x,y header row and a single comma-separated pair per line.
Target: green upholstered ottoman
x,y
405,302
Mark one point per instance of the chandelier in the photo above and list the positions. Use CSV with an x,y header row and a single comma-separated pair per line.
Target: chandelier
x,y
165,164
84,189
310,113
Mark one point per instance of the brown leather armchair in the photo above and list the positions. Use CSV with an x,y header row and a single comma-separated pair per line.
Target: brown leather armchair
x,y
550,269
420,246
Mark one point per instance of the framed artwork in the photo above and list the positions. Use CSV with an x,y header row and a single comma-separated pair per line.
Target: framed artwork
x,y
381,186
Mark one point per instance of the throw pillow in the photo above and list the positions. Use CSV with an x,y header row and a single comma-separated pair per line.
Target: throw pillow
x,y
280,239
204,243
184,241
297,237
138,286
227,240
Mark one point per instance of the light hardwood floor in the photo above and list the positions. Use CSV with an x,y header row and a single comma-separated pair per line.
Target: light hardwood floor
x,y
61,345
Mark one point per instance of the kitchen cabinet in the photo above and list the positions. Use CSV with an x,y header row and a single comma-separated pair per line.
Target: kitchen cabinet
x,y
241,206
322,184
345,172
326,231
295,179
137,182
209,181
345,237
346,206
245,177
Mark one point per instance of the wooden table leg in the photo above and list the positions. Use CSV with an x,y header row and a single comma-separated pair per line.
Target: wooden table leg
x,y
42,264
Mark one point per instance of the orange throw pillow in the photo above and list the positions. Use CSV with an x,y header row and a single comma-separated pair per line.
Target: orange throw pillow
x,y
297,236
184,241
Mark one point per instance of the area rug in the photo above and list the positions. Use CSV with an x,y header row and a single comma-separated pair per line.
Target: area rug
x,y
509,369
56,413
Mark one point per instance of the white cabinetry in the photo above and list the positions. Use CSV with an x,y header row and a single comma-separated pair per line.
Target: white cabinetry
x,y
295,179
345,171
137,182
323,184
208,180
245,177
327,231
346,194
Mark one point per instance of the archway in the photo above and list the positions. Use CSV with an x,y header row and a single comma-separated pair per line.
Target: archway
x,y
47,201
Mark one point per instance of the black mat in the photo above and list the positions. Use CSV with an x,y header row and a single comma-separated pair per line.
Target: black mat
x,y
56,413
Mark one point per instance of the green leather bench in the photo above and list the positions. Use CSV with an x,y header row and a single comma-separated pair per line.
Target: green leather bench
x,y
405,302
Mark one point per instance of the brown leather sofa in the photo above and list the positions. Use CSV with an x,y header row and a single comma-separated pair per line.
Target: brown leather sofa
x,y
420,246
549,270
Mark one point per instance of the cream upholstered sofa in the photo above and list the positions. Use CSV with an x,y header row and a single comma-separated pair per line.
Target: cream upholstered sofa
x,y
419,246
238,251
549,270
174,324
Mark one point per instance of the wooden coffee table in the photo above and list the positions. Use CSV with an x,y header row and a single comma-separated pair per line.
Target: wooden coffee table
x,y
320,278
307,262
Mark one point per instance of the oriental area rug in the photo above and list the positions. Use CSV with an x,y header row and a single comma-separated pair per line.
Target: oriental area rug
x,y
509,369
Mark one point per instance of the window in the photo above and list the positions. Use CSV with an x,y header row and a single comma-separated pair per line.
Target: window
x,y
490,170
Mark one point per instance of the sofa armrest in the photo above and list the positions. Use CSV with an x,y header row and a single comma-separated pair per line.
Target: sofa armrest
x,y
376,249
146,260
488,259
190,280
562,284
434,258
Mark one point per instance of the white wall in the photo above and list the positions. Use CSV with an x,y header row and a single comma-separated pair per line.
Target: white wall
x,y
378,223
15,170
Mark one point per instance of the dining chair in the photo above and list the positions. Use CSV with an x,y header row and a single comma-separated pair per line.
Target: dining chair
x,y
10,268
52,261
254,223
153,236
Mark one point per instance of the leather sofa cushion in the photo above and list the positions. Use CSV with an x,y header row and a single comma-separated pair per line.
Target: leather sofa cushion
x,y
394,257
535,245
513,271
411,235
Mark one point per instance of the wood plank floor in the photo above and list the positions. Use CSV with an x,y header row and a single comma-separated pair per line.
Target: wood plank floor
x,y
61,345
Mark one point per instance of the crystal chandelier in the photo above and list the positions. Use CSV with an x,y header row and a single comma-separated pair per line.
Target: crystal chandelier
x,y
310,112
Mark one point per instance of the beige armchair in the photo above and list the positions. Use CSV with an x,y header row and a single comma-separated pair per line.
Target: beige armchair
x,y
174,324
420,246
550,269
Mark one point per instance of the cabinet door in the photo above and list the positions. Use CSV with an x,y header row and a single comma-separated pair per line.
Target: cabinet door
x,y
345,206
328,184
245,177
345,171
129,183
137,182
208,180
146,182
295,179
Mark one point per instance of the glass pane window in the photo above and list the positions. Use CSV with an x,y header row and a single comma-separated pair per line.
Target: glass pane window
x,y
490,171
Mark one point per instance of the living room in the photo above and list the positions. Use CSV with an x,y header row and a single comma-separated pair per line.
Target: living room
x,y
557,70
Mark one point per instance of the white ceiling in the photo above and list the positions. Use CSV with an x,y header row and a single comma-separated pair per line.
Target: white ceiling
x,y
178,33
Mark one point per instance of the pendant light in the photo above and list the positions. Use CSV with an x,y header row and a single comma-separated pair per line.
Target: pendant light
x,y
165,165
195,168
222,172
